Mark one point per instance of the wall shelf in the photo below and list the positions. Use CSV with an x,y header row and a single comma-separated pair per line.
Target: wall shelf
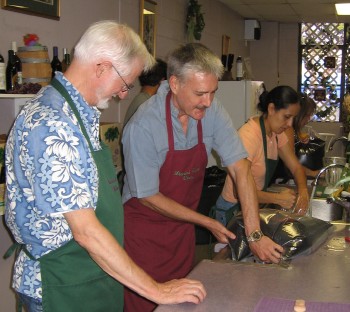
x,y
15,96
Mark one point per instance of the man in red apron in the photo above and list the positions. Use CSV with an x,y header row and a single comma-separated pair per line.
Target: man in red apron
x,y
63,205
165,146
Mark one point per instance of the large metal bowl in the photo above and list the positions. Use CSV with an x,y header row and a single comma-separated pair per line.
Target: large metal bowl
x,y
332,175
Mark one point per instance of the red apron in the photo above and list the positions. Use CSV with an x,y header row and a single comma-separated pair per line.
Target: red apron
x,y
162,246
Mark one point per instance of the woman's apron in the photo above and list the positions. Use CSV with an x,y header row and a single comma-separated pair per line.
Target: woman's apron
x,y
162,246
270,164
71,279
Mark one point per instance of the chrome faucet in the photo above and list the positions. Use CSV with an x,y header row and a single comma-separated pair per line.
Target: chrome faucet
x,y
342,138
315,183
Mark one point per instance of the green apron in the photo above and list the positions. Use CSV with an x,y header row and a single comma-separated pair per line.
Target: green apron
x,y
270,164
270,167
71,280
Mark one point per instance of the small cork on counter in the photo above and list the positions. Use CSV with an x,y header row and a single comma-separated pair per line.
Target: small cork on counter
x,y
299,305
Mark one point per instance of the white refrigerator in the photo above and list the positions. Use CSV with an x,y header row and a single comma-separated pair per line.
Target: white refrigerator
x,y
240,99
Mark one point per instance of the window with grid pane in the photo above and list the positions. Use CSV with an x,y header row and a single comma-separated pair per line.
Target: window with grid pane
x,y
324,66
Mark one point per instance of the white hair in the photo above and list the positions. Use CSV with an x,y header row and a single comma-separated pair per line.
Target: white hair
x,y
117,43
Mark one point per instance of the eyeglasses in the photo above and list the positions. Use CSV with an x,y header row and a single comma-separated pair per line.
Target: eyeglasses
x,y
127,87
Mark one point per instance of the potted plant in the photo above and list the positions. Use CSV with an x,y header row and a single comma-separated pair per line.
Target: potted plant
x,y
194,20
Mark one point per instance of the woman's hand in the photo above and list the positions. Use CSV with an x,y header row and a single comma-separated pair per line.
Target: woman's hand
x,y
302,204
286,198
304,138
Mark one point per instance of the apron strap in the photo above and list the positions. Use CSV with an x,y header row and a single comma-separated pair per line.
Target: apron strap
x,y
168,122
19,305
58,86
17,248
270,164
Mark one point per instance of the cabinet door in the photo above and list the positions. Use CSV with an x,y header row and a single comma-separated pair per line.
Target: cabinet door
x,y
9,109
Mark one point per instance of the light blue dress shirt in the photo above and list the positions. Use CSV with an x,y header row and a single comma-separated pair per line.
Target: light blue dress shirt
x,y
145,142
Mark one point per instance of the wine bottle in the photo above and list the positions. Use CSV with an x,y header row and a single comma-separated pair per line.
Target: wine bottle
x,y
239,68
2,186
18,64
2,173
56,64
2,179
66,60
2,75
11,72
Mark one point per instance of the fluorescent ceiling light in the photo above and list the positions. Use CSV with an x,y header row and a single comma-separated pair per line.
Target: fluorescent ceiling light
x,y
343,8
147,12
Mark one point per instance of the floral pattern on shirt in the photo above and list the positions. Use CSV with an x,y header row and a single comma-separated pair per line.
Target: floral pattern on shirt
x,y
49,171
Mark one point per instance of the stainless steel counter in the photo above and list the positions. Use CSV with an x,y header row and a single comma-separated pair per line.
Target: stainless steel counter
x,y
323,276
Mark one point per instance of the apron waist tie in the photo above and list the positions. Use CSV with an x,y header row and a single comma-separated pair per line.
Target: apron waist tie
x,y
17,248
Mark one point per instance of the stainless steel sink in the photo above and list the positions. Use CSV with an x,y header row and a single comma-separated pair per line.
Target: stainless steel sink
x,y
321,209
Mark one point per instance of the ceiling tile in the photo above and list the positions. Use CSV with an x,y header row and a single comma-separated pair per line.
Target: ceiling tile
x,y
269,9
288,10
315,9
257,2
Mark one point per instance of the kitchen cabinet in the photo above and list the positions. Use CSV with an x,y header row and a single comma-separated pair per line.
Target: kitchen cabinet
x,y
10,106
240,99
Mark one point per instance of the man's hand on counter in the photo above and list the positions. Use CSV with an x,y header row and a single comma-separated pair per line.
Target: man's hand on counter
x,y
181,290
267,250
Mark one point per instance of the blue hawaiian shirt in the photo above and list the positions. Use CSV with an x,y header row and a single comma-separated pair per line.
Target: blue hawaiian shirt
x,y
49,171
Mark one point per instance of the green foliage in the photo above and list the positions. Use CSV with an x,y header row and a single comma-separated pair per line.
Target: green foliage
x,y
195,20
324,113
2,156
112,134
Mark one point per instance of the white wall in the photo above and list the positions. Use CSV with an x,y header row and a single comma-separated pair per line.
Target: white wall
x,y
275,56
171,32
76,15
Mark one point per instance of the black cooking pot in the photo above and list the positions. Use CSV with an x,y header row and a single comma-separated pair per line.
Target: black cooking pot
x,y
311,154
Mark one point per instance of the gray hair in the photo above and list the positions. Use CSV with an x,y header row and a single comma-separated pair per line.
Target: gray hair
x,y
193,57
115,42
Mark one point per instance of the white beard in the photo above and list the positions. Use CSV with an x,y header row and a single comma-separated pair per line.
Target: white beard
x,y
103,104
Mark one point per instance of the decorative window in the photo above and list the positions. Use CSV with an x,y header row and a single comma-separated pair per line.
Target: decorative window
x,y
325,66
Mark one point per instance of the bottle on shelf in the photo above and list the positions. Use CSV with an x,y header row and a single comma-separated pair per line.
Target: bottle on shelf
x,y
2,173
239,68
2,182
11,72
2,187
18,64
66,60
2,75
56,64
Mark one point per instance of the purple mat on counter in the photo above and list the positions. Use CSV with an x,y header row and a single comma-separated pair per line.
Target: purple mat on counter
x,y
285,305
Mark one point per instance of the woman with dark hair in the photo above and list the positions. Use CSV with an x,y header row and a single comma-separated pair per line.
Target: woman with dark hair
x,y
307,110
265,141
295,133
